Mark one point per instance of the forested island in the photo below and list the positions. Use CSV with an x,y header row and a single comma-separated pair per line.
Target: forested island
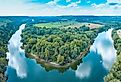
x,y
115,72
59,45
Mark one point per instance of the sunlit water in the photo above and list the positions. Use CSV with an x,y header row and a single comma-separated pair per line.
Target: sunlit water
x,y
94,67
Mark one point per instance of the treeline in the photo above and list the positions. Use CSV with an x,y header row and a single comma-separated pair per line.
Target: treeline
x,y
7,28
59,45
115,72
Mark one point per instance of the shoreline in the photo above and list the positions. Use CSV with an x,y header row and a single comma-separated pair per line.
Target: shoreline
x,y
3,76
116,35
52,65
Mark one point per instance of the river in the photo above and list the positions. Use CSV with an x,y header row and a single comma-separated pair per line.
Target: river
x,y
94,67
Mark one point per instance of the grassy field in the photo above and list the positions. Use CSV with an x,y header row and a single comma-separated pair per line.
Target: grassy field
x,y
66,24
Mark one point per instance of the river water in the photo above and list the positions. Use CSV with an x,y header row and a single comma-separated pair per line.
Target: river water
x,y
94,67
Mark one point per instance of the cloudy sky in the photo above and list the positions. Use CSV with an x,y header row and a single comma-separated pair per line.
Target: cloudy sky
x,y
59,7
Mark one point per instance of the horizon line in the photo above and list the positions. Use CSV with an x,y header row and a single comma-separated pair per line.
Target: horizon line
x,y
52,15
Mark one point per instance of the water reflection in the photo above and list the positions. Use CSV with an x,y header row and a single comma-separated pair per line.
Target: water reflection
x,y
104,46
100,59
83,70
91,70
16,55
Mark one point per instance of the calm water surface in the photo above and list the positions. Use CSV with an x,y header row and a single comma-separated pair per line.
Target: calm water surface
x,y
94,67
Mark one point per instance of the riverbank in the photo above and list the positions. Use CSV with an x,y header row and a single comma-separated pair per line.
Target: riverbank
x,y
8,26
65,43
52,65
115,72
3,65
57,48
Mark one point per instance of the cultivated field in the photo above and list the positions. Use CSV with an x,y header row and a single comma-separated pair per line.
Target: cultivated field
x,y
67,24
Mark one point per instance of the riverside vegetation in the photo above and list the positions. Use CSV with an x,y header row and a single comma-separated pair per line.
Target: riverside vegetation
x,y
58,45
6,31
115,72
8,26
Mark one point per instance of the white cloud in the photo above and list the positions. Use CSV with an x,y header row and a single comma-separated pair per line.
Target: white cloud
x,y
104,46
54,2
21,7
113,1
16,56
88,1
99,6
74,4
107,9
68,0
114,8
83,70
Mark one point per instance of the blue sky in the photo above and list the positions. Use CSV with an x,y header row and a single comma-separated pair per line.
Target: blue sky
x,y
59,7
67,2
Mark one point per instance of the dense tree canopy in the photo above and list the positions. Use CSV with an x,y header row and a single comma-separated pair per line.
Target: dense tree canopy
x,y
59,45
